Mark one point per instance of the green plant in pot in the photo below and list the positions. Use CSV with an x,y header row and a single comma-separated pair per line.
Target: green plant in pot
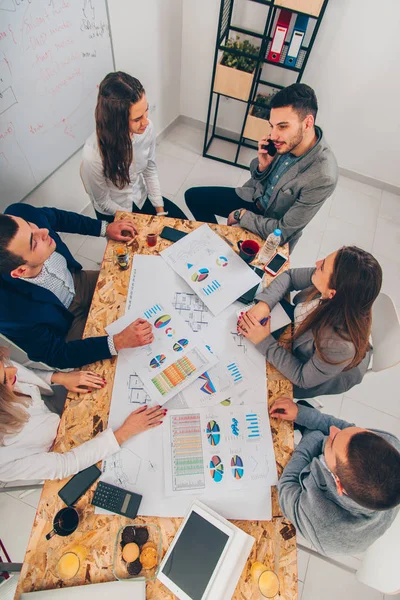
x,y
261,107
242,63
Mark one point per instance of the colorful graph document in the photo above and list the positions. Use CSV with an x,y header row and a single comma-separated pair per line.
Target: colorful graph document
x,y
218,448
173,360
211,268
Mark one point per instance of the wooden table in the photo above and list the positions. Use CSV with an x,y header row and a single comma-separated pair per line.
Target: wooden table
x,y
85,417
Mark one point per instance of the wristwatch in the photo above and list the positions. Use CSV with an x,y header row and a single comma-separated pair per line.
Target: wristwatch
x,y
236,215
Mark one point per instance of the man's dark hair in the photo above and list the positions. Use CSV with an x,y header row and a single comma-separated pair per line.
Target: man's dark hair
x,y
8,260
371,474
300,97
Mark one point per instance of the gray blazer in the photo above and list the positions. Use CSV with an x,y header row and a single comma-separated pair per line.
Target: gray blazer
x,y
311,376
297,197
308,497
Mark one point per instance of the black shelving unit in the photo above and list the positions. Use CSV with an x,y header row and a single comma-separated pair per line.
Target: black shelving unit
x,y
225,30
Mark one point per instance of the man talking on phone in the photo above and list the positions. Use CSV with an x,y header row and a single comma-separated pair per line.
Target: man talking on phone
x,y
293,175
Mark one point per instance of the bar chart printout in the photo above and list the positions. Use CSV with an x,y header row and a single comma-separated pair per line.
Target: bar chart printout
x,y
187,453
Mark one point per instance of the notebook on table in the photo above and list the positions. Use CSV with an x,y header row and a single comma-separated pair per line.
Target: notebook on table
x,y
123,590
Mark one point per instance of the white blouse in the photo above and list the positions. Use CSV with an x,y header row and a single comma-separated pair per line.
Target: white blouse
x,y
303,309
27,455
105,196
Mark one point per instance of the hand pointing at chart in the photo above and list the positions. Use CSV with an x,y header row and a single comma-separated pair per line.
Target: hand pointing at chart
x,y
138,333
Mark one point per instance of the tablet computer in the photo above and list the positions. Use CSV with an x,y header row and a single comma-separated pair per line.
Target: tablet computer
x,y
192,561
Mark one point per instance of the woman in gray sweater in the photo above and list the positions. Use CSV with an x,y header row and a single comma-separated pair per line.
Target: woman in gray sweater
x,y
333,308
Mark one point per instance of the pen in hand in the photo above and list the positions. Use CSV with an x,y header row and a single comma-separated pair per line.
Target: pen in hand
x,y
264,321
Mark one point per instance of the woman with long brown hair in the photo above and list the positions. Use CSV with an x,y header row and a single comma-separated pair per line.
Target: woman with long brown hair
x,y
28,428
332,318
119,169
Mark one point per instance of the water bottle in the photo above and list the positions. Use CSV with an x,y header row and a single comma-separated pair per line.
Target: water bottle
x,y
270,246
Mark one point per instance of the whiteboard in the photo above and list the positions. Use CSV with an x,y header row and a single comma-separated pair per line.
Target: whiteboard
x,y
53,55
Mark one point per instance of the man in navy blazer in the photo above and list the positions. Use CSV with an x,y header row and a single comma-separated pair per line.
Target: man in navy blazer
x,y
41,287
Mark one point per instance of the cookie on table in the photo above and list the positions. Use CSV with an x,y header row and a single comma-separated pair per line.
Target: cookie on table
x,y
141,535
130,552
134,567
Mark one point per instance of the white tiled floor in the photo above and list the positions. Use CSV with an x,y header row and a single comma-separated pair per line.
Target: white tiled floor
x,y
356,214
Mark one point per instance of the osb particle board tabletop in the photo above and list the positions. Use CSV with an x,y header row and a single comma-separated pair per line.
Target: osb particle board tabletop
x,y
85,417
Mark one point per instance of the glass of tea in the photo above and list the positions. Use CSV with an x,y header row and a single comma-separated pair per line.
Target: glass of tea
x,y
152,239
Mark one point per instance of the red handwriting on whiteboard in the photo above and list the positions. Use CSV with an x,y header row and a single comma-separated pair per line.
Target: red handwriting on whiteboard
x,y
75,73
7,63
67,129
32,22
34,130
61,27
12,33
4,158
42,57
4,34
8,131
64,4
38,40
63,43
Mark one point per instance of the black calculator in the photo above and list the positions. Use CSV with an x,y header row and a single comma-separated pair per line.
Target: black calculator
x,y
116,500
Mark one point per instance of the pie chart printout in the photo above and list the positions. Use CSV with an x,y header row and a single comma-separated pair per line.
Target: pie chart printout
x,y
180,345
162,321
200,275
157,361
237,467
216,469
222,261
213,433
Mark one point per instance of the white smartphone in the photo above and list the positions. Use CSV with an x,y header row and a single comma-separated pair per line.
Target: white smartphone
x,y
276,263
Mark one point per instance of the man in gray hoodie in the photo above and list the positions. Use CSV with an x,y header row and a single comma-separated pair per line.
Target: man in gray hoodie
x,y
285,190
341,488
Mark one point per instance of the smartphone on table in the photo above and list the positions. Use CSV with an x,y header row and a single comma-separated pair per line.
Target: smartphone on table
x,y
275,264
171,234
78,485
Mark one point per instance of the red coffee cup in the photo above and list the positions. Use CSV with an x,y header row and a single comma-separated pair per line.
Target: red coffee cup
x,y
248,250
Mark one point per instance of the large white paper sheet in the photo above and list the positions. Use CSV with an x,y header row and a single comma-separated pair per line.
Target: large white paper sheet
x,y
211,268
138,466
219,448
174,359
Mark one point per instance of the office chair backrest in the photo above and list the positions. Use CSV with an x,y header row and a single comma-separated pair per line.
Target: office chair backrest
x,y
385,333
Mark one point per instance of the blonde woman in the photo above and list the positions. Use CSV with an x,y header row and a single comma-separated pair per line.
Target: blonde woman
x,y
28,428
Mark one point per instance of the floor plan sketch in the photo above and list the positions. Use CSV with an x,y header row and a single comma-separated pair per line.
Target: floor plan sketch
x,y
192,310
123,467
137,393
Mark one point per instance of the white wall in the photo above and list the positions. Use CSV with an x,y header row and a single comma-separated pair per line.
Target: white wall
x,y
353,68
147,44
355,71
199,30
